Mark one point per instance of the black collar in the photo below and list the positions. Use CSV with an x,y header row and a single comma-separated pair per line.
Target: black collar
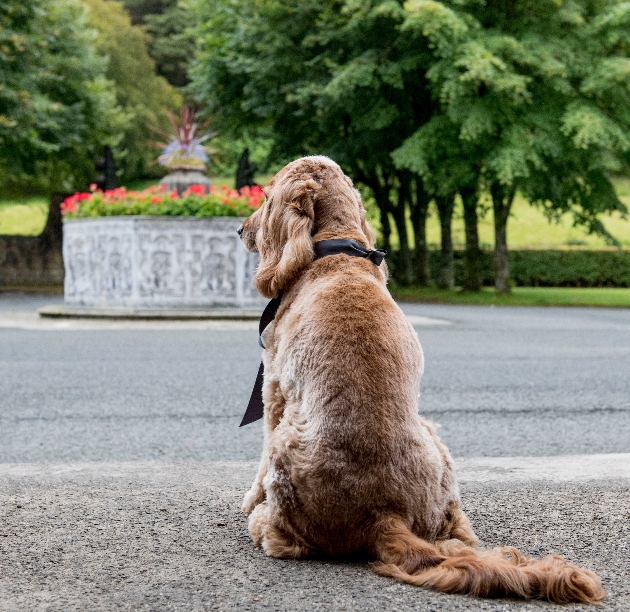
x,y
323,248
345,246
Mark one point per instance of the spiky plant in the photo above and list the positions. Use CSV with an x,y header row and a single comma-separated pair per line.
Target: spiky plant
x,y
185,150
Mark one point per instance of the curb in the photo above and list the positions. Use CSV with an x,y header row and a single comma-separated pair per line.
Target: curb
x,y
226,314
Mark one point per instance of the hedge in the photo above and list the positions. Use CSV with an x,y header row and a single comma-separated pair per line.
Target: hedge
x,y
545,268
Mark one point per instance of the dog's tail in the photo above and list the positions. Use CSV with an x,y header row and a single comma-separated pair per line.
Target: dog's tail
x,y
453,567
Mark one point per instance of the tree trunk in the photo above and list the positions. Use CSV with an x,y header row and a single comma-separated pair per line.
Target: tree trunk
x,y
405,273
381,192
419,210
502,199
473,280
445,206
386,229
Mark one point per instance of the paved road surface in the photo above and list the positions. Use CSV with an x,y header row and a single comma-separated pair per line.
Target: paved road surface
x,y
122,467
500,381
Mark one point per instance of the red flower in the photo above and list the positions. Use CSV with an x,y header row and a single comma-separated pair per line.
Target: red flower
x,y
69,206
197,189
155,199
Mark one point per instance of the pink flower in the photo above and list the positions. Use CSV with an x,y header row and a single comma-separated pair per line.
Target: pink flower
x,y
69,206
93,186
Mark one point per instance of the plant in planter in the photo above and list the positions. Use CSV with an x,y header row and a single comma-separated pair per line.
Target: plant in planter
x,y
185,156
195,201
156,249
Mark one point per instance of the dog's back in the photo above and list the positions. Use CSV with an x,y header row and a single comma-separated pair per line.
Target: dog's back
x,y
351,364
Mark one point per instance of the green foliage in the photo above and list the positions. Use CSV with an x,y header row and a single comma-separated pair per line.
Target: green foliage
x,y
170,44
56,107
144,96
537,96
545,268
424,99
571,268
318,77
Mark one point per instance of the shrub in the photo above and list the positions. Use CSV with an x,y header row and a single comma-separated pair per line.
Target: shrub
x,y
194,202
545,268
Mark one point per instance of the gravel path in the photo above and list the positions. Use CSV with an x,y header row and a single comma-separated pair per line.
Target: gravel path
x,y
147,536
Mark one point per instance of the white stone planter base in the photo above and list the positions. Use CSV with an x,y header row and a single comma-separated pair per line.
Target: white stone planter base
x,y
157,263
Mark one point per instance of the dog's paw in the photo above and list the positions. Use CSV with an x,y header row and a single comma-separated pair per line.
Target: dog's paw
x,y
251,500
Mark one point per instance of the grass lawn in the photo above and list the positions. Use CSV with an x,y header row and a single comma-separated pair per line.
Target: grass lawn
x,y
521,296
527,226
23,216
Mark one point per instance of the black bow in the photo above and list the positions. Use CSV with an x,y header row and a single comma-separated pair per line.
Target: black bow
x,y
337,246
255,408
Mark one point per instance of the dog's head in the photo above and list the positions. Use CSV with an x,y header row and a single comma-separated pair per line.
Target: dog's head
x,y
310,199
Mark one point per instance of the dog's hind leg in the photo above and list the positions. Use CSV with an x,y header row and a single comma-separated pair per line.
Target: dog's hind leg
x,y
274,541
455,526
461,528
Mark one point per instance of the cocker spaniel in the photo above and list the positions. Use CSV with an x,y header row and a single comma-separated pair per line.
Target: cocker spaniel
x,y
349,467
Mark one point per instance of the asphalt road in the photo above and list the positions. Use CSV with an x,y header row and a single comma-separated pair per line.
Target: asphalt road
x,y
500,381
122,467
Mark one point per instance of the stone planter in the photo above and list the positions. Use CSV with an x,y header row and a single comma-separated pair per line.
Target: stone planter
x,y
147,262
183,177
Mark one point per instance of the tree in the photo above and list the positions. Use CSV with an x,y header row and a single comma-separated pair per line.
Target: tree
x,y
540,91
336,78
447,166
144,96
170,44
56,107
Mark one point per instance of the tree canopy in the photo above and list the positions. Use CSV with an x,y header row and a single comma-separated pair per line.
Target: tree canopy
x,y
320,77
144,96
57,109
427,99
170,44
539,97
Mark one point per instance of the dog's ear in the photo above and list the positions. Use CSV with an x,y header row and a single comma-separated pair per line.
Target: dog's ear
x,y
286,244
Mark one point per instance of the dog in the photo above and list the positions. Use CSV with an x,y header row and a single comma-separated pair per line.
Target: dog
x,y
349,469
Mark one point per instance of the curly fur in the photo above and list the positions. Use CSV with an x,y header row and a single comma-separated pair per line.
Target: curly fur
x,y
348,466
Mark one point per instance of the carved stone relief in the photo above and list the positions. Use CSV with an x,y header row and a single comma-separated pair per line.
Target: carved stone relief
x,y
161,262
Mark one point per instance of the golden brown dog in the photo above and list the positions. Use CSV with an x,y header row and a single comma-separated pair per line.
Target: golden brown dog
x,y
348,466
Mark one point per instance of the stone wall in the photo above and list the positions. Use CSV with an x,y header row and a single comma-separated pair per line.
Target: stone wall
x,y
34,261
